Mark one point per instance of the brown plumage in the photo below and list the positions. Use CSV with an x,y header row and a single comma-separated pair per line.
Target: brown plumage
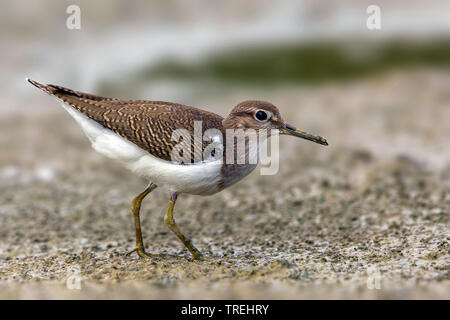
x,y
148,124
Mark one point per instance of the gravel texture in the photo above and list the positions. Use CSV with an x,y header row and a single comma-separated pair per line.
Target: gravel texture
x,y
366,217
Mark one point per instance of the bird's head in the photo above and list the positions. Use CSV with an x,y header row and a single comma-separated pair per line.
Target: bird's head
x,y
254,114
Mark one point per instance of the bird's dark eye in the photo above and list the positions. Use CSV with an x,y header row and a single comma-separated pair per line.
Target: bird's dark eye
x,y
261,115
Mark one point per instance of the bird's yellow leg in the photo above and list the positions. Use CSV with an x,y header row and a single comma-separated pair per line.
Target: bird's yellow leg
x,y
136,208
170,222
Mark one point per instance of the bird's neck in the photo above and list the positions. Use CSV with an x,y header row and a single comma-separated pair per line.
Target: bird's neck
x,y
242,146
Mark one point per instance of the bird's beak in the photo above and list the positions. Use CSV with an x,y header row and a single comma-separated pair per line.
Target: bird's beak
x,y
290,130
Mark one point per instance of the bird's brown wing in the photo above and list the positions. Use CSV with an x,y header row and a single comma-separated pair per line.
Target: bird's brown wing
x,y
148,124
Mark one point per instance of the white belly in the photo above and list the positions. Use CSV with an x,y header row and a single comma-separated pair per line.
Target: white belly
x,y
200,178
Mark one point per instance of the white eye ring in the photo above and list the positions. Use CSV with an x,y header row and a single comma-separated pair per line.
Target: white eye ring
x,y
259,115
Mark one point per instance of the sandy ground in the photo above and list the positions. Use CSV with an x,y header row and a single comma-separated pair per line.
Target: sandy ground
x,y
366,217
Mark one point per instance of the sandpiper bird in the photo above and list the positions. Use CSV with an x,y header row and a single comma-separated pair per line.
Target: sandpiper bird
x,y
139,134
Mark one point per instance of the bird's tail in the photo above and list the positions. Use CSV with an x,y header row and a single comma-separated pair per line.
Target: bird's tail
x,y
47,88
61,92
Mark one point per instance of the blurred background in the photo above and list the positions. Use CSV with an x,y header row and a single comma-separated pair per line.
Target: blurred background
x,y
380,96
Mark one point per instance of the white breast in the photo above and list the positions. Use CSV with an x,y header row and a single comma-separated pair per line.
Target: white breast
x,y
200,178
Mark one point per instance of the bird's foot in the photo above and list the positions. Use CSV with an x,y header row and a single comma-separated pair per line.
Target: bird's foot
x,y
196,254
198,257
142,254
